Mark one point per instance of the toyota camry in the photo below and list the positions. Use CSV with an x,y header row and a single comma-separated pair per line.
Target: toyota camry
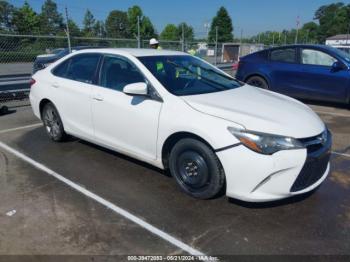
x,y
178,112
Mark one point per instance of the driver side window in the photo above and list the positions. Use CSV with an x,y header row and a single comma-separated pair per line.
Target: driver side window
x,y
315,57
117,72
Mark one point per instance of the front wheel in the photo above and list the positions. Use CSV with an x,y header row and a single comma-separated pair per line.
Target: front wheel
x,y
53,123
258,81
196,168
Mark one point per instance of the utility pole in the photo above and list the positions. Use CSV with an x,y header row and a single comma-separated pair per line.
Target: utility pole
x,y
216,45
67,31
285,38
259,38
138,33
279,38
296,35
183,37
273,38
206,26
347,35
241,35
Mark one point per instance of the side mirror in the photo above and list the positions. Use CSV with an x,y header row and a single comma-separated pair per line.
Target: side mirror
x,y
136,89
338,66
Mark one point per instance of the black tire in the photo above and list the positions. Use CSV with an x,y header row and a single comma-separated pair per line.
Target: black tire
x,y
258,81
53,123
196,168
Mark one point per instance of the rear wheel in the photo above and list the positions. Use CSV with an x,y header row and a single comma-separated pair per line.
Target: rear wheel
x,y
196,168
53,123
258,82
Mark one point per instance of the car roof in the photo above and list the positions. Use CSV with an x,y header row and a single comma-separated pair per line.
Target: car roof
x,y
137,52
325,47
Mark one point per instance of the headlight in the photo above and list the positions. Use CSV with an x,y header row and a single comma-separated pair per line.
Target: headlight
x,y
262,143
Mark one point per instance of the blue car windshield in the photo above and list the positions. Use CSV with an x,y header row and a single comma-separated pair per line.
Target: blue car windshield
x,y
343,54
188,75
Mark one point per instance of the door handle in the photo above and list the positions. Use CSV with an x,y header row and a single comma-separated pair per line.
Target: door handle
x,y
55,85
98,98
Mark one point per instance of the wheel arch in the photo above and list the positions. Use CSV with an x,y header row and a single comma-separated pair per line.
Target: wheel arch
x,y
42,103
259,75
173,139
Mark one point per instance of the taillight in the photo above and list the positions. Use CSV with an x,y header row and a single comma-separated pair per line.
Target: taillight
x,y
32,82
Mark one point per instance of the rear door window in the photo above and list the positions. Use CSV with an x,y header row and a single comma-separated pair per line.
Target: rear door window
x,y
61,69
286,55
80,68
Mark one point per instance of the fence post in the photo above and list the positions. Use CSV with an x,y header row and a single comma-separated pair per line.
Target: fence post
x,y
67,31
138,33
183,38
216,45
241,36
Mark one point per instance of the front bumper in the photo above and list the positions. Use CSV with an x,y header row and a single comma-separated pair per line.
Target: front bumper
x,y
254,177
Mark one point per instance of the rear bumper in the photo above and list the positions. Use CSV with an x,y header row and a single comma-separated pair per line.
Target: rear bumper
x,y
253,177
34,102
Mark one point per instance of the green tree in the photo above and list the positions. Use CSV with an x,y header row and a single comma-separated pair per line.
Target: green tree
x,y
89,23
309,32
333,19
6,15
25,20
146,27
74,29
99,29
134,12
117,24
222,21
188,32
51,21
170,33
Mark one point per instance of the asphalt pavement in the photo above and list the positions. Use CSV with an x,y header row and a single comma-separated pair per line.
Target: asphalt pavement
x,y
53,217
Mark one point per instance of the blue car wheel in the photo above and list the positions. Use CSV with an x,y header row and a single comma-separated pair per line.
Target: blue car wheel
x,y
258,82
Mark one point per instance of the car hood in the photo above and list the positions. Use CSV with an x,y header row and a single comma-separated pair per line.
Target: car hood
x,y
260,110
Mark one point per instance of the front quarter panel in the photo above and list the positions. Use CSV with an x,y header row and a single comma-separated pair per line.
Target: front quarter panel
x,y
177,116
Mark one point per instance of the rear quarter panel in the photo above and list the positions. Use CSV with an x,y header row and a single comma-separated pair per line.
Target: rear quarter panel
x,y
254,64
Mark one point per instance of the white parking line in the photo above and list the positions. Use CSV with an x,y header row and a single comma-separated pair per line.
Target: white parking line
x,y
19,128
341,154
154,230
330,113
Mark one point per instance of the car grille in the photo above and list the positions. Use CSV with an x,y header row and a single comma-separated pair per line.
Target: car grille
x,y
318,155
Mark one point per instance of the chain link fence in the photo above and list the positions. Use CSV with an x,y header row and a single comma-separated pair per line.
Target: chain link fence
x,y
18,53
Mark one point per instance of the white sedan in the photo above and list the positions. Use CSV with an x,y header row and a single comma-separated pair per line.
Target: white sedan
x,y
178,112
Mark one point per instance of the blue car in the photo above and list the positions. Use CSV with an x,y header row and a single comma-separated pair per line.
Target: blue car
x,y
315,72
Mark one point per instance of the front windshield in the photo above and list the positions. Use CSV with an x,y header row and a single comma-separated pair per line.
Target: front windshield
x,y
57,51
342,53
187,75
